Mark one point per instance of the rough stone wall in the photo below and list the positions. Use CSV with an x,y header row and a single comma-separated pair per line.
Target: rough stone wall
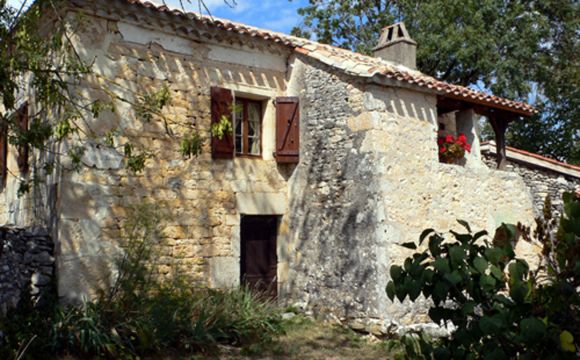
x,y
542,182
333,197
26,266
205,197
369,180
419,192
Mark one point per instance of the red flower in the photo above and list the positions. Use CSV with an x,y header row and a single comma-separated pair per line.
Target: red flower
x,y
449,138
442,150
462,138
440,141
467,148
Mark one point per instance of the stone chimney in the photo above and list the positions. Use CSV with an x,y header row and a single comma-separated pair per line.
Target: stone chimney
x,y
396,45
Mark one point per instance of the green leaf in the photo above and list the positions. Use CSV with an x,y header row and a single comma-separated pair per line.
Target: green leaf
x,y
488,325
457,255
454,278
441,352
408,264
391,290
480,264
409,245
487,282
442,265
519,292
401,293
414,289
424,234
518,269
464,224
468,308
435,245
532,329
396,272
567,341
479,234
440,292
496,272
491,324
493,255
496,354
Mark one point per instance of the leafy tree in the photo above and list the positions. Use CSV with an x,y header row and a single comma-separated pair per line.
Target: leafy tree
x,y
525,50
46,65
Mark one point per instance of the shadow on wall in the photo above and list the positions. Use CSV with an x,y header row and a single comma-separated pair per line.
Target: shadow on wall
x,y
200,193
333,247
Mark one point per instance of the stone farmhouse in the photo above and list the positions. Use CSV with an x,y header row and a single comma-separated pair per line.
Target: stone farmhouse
x,y
332,162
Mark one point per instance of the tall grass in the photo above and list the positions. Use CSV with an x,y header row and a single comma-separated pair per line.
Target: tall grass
x,y
140,315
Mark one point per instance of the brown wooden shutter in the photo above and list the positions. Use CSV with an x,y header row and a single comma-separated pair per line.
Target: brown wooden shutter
x,y
3,154
23,149
287,130
221,105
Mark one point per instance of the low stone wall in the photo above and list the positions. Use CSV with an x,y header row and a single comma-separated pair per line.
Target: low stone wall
x,y
542,182
26,266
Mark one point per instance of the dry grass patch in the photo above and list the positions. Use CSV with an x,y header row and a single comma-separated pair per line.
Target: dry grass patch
x,y
310,339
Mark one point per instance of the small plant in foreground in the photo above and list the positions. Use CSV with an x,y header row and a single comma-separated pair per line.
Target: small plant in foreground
x,y
490,296
140,315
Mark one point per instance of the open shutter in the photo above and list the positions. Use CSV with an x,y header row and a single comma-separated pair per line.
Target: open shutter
x,y
287,130
221,105
23,149
3,154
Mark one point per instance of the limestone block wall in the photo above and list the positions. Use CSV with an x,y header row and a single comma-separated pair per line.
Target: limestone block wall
x,y
205,197
370,180
418,192
541,182
26,267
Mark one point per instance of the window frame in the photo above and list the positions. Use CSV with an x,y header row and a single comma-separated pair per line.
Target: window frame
x,y
245,102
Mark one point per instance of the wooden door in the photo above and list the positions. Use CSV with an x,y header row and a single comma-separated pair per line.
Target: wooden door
x,y
258,253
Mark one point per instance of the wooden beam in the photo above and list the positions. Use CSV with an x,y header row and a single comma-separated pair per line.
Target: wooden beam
x,y
446,105
499,126
497,107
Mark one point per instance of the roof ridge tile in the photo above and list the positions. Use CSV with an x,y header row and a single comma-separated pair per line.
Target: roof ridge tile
x,y
333,56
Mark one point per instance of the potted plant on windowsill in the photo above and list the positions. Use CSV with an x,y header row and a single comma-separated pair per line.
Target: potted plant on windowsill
x,y
452,150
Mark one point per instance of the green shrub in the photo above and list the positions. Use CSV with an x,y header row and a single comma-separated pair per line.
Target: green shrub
x,y
499,308
141,315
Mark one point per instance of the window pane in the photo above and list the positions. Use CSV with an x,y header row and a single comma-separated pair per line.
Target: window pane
x,y
254,144
238,120
239,144
254,115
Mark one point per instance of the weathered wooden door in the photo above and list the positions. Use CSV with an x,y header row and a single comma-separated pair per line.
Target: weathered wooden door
x,y
258,253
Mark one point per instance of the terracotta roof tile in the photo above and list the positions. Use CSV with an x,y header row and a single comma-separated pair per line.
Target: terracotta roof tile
x,y
536,156
344,59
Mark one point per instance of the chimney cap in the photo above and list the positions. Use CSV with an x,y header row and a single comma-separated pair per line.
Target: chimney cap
x,y
393,34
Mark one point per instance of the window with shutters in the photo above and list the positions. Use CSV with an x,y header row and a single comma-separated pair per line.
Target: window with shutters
x,y
248,127
245,117
287,130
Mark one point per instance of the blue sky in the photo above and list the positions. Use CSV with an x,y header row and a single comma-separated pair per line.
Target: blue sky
x,y
278,15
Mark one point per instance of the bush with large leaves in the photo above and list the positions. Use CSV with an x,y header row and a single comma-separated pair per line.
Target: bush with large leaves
x,y
497,305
